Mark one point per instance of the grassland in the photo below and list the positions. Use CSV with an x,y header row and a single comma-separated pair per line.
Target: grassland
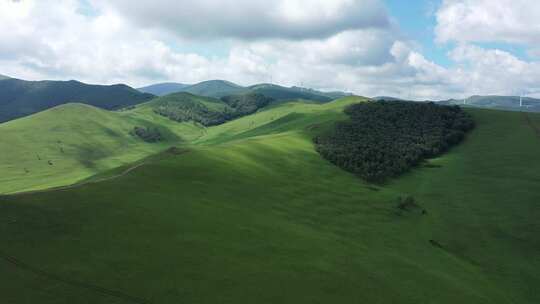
x,y
72,142
252,214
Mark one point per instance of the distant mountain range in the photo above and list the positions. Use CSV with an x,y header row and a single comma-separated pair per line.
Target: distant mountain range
x,y
221,88
498,102
510,103
162,89
20,98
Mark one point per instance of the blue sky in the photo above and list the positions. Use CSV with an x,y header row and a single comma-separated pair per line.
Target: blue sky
x,y
426,49
416,19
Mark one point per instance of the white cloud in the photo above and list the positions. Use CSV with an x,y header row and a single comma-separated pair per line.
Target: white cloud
x,y
510,21
251,19
44,41
481,70
495,71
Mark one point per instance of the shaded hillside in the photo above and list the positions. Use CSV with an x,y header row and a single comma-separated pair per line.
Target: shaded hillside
x,y
161,89
20,98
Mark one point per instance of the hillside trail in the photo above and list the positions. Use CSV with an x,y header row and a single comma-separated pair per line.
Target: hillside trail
x,y
170,151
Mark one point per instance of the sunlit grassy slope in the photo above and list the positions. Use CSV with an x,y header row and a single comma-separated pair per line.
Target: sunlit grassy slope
x,y
68,143
80,140
252,214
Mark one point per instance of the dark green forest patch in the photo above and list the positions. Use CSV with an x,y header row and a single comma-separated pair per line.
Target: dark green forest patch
x,y
208,111
385,139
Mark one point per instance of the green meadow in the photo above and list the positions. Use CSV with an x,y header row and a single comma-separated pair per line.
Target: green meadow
x,y
248,212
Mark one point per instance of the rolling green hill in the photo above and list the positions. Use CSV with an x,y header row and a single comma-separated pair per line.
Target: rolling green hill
x,y
82,140
251,213
71,142
20,98
214,88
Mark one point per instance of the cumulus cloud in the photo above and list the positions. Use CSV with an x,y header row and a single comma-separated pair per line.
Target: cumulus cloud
x,y
252,19
57,41
97,42
495,71
480,70
510,21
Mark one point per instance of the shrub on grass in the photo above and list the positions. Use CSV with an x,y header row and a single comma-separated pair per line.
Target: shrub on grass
x,y
150,135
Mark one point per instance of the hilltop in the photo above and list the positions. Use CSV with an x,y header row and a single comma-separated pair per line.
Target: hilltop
x,y
71,142
165,88
282,93
215,88
20,98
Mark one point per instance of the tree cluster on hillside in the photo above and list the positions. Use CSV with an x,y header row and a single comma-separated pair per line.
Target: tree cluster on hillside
x,y
246,104
150,135
385,139
185,107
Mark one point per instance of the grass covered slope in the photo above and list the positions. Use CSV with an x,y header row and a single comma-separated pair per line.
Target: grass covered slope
x,y
81,140
19,98
68,143
260,217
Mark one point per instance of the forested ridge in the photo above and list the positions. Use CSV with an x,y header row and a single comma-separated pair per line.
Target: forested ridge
x,y
384,139
209,111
